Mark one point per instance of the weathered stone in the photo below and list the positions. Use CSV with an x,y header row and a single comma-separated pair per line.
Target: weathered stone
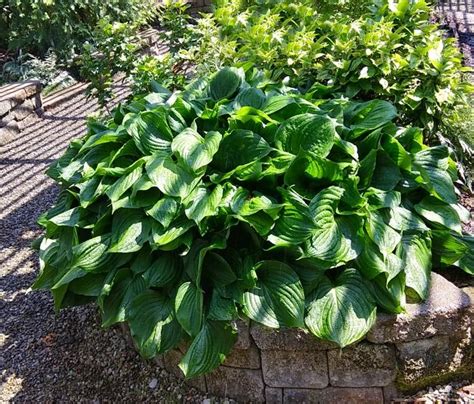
x,y
368,395
243,339
6,106
442,313
307,369
8,133
469,291
433,360
171,360
244,358
273,395
390,393
240,384
362,365
287,339
21,111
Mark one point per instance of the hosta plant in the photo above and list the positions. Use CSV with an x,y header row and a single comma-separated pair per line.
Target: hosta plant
x,y
241,197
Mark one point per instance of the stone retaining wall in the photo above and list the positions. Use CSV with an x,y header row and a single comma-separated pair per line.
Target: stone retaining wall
x,y
17,101
429,344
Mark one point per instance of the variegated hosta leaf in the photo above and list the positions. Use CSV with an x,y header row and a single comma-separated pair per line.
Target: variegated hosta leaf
x,y
342,311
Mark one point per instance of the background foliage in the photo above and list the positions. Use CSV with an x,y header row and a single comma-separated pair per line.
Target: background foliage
x,y
37,26
389,49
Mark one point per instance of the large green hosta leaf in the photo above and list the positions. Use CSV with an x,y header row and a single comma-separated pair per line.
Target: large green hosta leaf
x,y
171,178
440,213
240,147
195,150
433,166
309,132
153,324
189,307
150,131
342,311
225,83
278,298
369,115
209,348
295,224
415,252
130,230
333,239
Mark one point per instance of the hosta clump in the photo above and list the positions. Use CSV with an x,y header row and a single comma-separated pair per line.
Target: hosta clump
x,y
242,197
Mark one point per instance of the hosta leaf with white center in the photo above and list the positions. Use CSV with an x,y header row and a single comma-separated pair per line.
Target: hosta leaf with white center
x,y
195,150
278,298
309,132
342,311
415,252
209,349
153,324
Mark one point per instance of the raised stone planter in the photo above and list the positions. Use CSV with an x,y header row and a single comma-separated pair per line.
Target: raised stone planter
x,y
17,101
431,343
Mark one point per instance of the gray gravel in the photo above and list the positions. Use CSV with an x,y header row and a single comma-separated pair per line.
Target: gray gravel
x,y
65,357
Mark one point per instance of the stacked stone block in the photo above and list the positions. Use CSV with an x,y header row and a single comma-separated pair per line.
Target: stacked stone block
x,y
17,101
432,342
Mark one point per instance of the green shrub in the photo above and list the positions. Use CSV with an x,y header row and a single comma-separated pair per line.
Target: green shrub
x,y
241,197
37,26
393,51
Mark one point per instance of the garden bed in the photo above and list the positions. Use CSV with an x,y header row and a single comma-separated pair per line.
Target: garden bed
x,y
432,343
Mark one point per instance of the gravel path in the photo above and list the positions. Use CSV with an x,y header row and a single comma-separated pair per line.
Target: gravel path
x,y
65,357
